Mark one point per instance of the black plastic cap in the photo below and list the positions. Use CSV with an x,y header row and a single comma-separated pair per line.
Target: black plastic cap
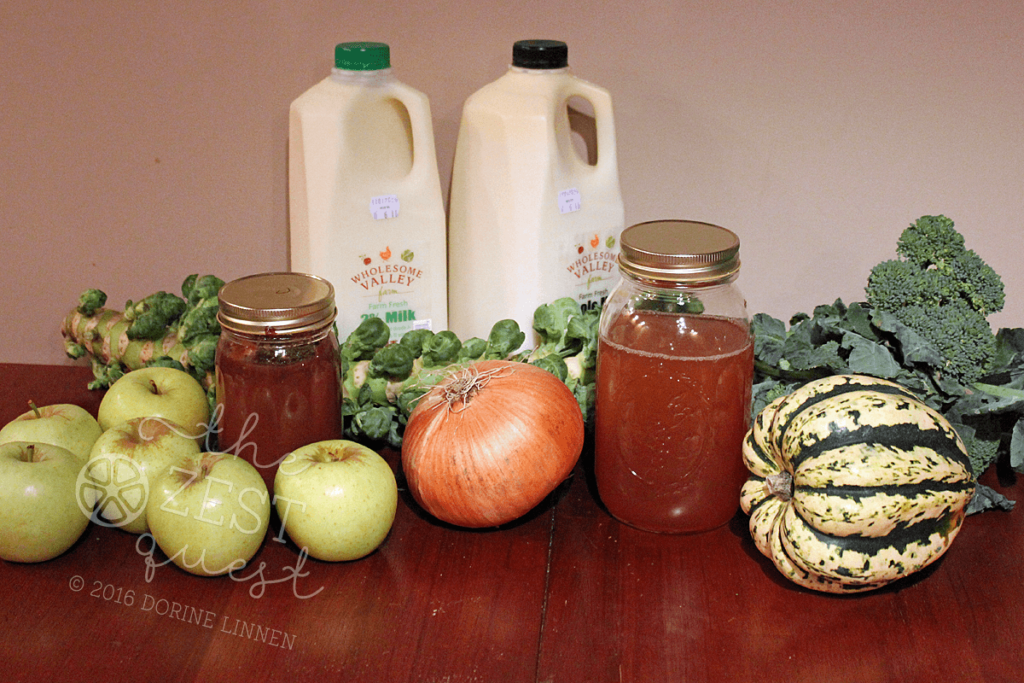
x,y
540,54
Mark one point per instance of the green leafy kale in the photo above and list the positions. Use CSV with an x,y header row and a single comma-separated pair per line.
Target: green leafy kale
x,y
923,325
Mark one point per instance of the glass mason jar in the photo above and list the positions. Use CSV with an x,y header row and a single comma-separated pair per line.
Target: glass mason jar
x,y
675,365
278,368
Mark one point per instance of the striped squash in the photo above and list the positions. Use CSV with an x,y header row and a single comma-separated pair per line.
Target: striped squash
x,y
854,483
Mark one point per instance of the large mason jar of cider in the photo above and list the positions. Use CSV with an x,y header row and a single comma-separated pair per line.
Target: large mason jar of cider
x,y
674,371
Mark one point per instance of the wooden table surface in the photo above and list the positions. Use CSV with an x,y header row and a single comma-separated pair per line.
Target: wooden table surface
x,y
565,595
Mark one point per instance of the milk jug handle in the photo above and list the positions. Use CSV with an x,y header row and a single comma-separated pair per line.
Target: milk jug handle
x,y
423,154
604,120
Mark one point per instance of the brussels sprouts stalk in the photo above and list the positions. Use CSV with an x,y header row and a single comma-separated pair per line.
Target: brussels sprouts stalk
x,y
162,329
384,381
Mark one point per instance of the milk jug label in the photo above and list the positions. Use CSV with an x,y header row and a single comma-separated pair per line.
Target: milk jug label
x,y
391,283
384,206
591,270
569,200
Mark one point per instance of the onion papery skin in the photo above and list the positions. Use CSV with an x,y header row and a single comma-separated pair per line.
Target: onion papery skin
x,y
493,458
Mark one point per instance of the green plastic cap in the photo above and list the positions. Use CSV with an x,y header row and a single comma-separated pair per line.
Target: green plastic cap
x,y
362,56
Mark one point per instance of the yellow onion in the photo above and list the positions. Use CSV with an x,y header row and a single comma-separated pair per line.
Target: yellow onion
x,y
488,443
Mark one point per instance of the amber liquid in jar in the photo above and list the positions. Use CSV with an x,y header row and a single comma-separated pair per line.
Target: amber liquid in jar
x,y
673,408
276,396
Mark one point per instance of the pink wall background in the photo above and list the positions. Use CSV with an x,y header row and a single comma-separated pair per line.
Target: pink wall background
x,y
143,141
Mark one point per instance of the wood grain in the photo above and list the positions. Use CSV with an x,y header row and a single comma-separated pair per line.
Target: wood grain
x,y
565,594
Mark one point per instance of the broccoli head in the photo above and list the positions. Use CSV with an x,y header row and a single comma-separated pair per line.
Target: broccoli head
x,y
943,291
936,269
978,283
894,285
931,240
961,334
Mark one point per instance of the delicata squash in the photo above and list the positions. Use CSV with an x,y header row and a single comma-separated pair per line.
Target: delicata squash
x,y
854,484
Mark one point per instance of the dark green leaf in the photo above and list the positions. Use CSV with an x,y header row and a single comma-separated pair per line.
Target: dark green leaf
x,y
858,319
824,356
1017,446
868,358
913,347
986,498
835,310
769,338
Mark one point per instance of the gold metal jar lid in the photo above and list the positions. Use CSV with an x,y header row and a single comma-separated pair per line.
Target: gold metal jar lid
x,y
275,304
679,251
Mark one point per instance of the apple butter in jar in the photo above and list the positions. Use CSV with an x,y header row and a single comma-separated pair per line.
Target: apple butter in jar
x,y
278,368
675,364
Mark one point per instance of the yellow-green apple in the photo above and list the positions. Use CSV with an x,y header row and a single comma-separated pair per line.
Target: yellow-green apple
x,y
63,424
157,392
337,499
39,514
209,512
124,462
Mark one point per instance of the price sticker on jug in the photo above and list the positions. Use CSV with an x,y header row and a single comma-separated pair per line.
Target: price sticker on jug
x,y
569,200
384,207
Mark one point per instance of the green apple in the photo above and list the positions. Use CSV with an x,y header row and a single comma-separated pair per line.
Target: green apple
x,y
157,392
63,424
39,513
126,459
337,499
209,512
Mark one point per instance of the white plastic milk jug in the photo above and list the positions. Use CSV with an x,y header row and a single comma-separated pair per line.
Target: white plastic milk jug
x,y
365,207
530,219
